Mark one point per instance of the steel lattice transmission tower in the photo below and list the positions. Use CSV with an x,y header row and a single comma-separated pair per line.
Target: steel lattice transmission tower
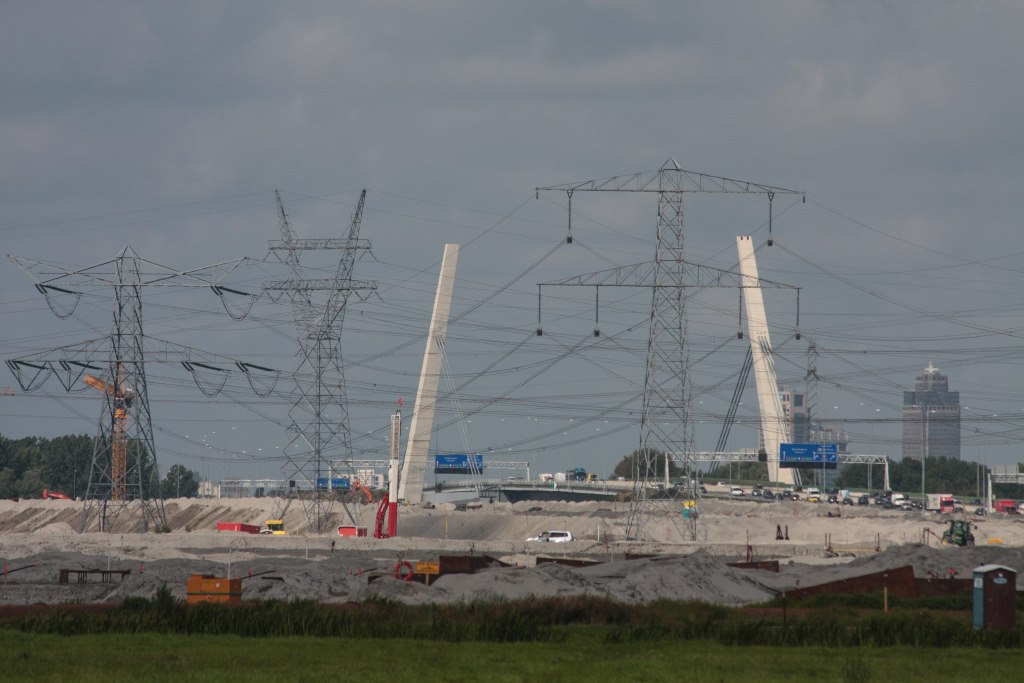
x,y
319,425
666,427
123,485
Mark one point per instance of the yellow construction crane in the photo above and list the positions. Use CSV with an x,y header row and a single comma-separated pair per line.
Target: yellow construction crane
x,y
119,447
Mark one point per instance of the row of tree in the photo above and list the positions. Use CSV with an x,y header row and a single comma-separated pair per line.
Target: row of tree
x,y
962,478
31,464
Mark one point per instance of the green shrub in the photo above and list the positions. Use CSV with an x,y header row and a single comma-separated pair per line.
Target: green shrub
x,y
529,620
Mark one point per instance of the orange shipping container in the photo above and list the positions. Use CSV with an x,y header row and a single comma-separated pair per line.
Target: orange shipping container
x,y
209,588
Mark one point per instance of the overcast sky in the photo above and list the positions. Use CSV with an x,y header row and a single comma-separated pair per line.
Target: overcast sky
x,y
167,126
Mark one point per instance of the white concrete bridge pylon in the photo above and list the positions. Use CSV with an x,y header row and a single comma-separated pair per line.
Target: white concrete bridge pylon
x,y
774,428
422,424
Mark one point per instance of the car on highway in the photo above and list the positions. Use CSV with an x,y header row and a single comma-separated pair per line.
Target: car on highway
x,y
737,491
768,495
814,498
553,537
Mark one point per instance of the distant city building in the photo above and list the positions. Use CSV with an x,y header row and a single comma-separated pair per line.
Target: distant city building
x,y
931,417
797,414
821,432
803,429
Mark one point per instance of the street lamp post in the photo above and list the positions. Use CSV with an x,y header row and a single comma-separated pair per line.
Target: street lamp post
x,y
836,434
536,439
924,450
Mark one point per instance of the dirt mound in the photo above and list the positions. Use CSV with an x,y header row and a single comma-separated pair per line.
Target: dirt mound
x,y
302,565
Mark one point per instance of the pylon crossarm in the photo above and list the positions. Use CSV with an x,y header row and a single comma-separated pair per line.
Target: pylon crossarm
x,y
70,363
318,243
319,285
30,376
681,180
67,363
108,274
642,275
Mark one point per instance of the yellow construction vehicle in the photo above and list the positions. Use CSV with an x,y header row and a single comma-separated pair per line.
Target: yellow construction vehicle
x,y
274,527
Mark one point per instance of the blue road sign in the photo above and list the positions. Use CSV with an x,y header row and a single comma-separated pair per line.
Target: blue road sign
x,y
799,454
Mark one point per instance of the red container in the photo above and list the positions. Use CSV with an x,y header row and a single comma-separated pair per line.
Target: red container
x,y
236,526
357,531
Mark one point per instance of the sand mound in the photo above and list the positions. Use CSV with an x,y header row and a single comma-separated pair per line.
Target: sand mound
x,y
56,529
329,568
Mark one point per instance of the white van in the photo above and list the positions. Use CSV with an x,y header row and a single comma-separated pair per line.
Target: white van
x,y
553,537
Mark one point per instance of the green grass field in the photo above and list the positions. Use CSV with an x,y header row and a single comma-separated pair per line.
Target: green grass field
x,y
583,656
537,639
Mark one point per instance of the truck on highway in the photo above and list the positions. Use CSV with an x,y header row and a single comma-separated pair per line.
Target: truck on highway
x,y
939,502
1006,506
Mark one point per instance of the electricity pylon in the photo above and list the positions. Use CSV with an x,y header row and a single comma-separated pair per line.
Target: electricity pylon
x,y
665,427
319,425
124,476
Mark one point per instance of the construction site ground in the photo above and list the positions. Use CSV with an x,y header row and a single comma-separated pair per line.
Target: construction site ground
x,y
42,537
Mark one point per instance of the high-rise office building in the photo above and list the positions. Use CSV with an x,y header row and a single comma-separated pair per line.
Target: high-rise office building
x,y
797,414
804,429
931,417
